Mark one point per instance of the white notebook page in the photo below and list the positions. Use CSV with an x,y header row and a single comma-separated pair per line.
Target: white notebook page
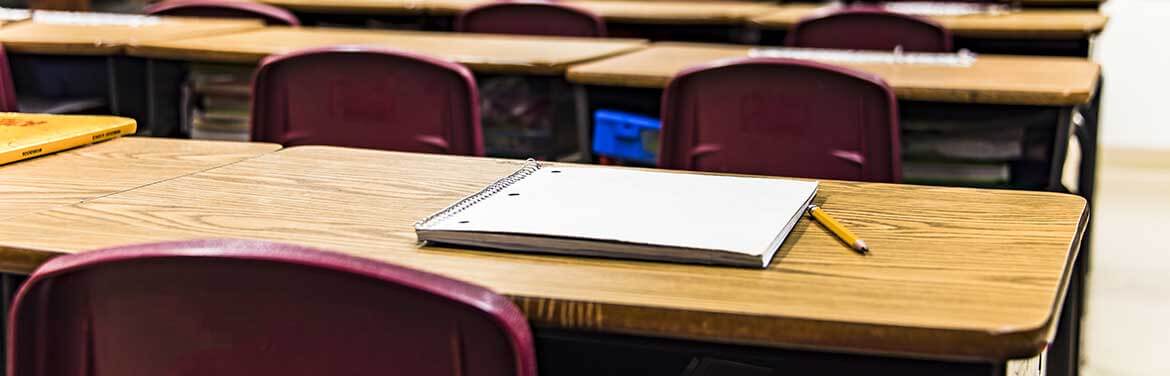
x,y
737,214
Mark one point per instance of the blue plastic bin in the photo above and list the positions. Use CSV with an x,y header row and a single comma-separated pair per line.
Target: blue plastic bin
x,y
626,136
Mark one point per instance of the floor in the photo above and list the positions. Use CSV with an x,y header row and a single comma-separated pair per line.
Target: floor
x,y
1127,325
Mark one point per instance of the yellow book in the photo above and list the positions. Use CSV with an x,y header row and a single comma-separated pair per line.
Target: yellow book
x,y
24,136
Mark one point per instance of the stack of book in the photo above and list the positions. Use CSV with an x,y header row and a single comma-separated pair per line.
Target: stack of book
x,y
219,102
943,153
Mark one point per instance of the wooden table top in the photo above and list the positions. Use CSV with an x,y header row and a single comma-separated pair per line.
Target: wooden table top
x,y
992,79
639,11
1026,24
10,15
480,52
1061,2
93,171
89,39
954,272
367,7
633,11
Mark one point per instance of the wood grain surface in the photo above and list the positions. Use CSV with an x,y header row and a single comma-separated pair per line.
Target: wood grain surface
x,y
93,171
364,7
649,12
637,11
34,37
1061,2
12,15
993,79
480,52
1026,24
955,273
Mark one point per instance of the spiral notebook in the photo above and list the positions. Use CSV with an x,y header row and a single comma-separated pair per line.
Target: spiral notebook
x,y
627,213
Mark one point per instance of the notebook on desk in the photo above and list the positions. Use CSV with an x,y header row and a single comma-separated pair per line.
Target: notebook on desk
x,y
24,136
625,213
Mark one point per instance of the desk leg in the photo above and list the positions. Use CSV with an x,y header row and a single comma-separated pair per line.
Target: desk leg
x,y
584,125
162,83
1065,351
9,285
128,96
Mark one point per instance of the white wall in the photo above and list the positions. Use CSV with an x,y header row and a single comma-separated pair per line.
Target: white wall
x,y
1134,52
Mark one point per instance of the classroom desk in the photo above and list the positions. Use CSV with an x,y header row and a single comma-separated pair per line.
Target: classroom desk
x,y
1094,4
102,169
1025,32
9,15
642,12
500,54
34,37
991,80
539,58
1039,94
55,60
953,284
93,171
1029,4
659,20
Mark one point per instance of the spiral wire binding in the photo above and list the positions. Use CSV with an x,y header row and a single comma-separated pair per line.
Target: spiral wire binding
x,y
530,167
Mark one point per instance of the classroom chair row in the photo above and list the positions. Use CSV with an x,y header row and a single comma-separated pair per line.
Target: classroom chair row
x,y
988,28
908,32
853,27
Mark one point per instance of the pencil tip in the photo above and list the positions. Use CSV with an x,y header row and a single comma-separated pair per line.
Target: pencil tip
x,y
860,246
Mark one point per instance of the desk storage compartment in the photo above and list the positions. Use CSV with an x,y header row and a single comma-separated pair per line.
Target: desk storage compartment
x,y
217,102
527,117
626,137
998,146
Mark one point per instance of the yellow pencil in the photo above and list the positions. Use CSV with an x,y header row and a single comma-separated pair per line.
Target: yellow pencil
x,y
836,228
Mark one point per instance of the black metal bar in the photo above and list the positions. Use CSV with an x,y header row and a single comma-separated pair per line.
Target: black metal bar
x,y
573,353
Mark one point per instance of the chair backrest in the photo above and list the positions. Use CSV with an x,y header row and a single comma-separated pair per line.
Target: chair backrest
x,y
781,117
235,307
366,97
224,9
865,28
7,87
530,18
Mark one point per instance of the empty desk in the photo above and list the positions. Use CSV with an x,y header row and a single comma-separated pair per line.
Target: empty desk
x,y
98,170
955,284
503,54
1037,95
65,54
661,20
93,171
543,58
1018,32
1030,4
8,15
720,21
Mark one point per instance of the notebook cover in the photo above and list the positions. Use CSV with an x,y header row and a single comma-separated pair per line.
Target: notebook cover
x,y
628,213
24,136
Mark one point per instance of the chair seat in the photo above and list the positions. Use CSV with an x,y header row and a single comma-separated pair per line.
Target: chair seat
x,y
60,105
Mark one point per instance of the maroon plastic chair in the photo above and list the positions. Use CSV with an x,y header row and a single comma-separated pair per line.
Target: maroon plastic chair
x,y
224,9
366,97
530,18
7,87
235,307
865,28
781,117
